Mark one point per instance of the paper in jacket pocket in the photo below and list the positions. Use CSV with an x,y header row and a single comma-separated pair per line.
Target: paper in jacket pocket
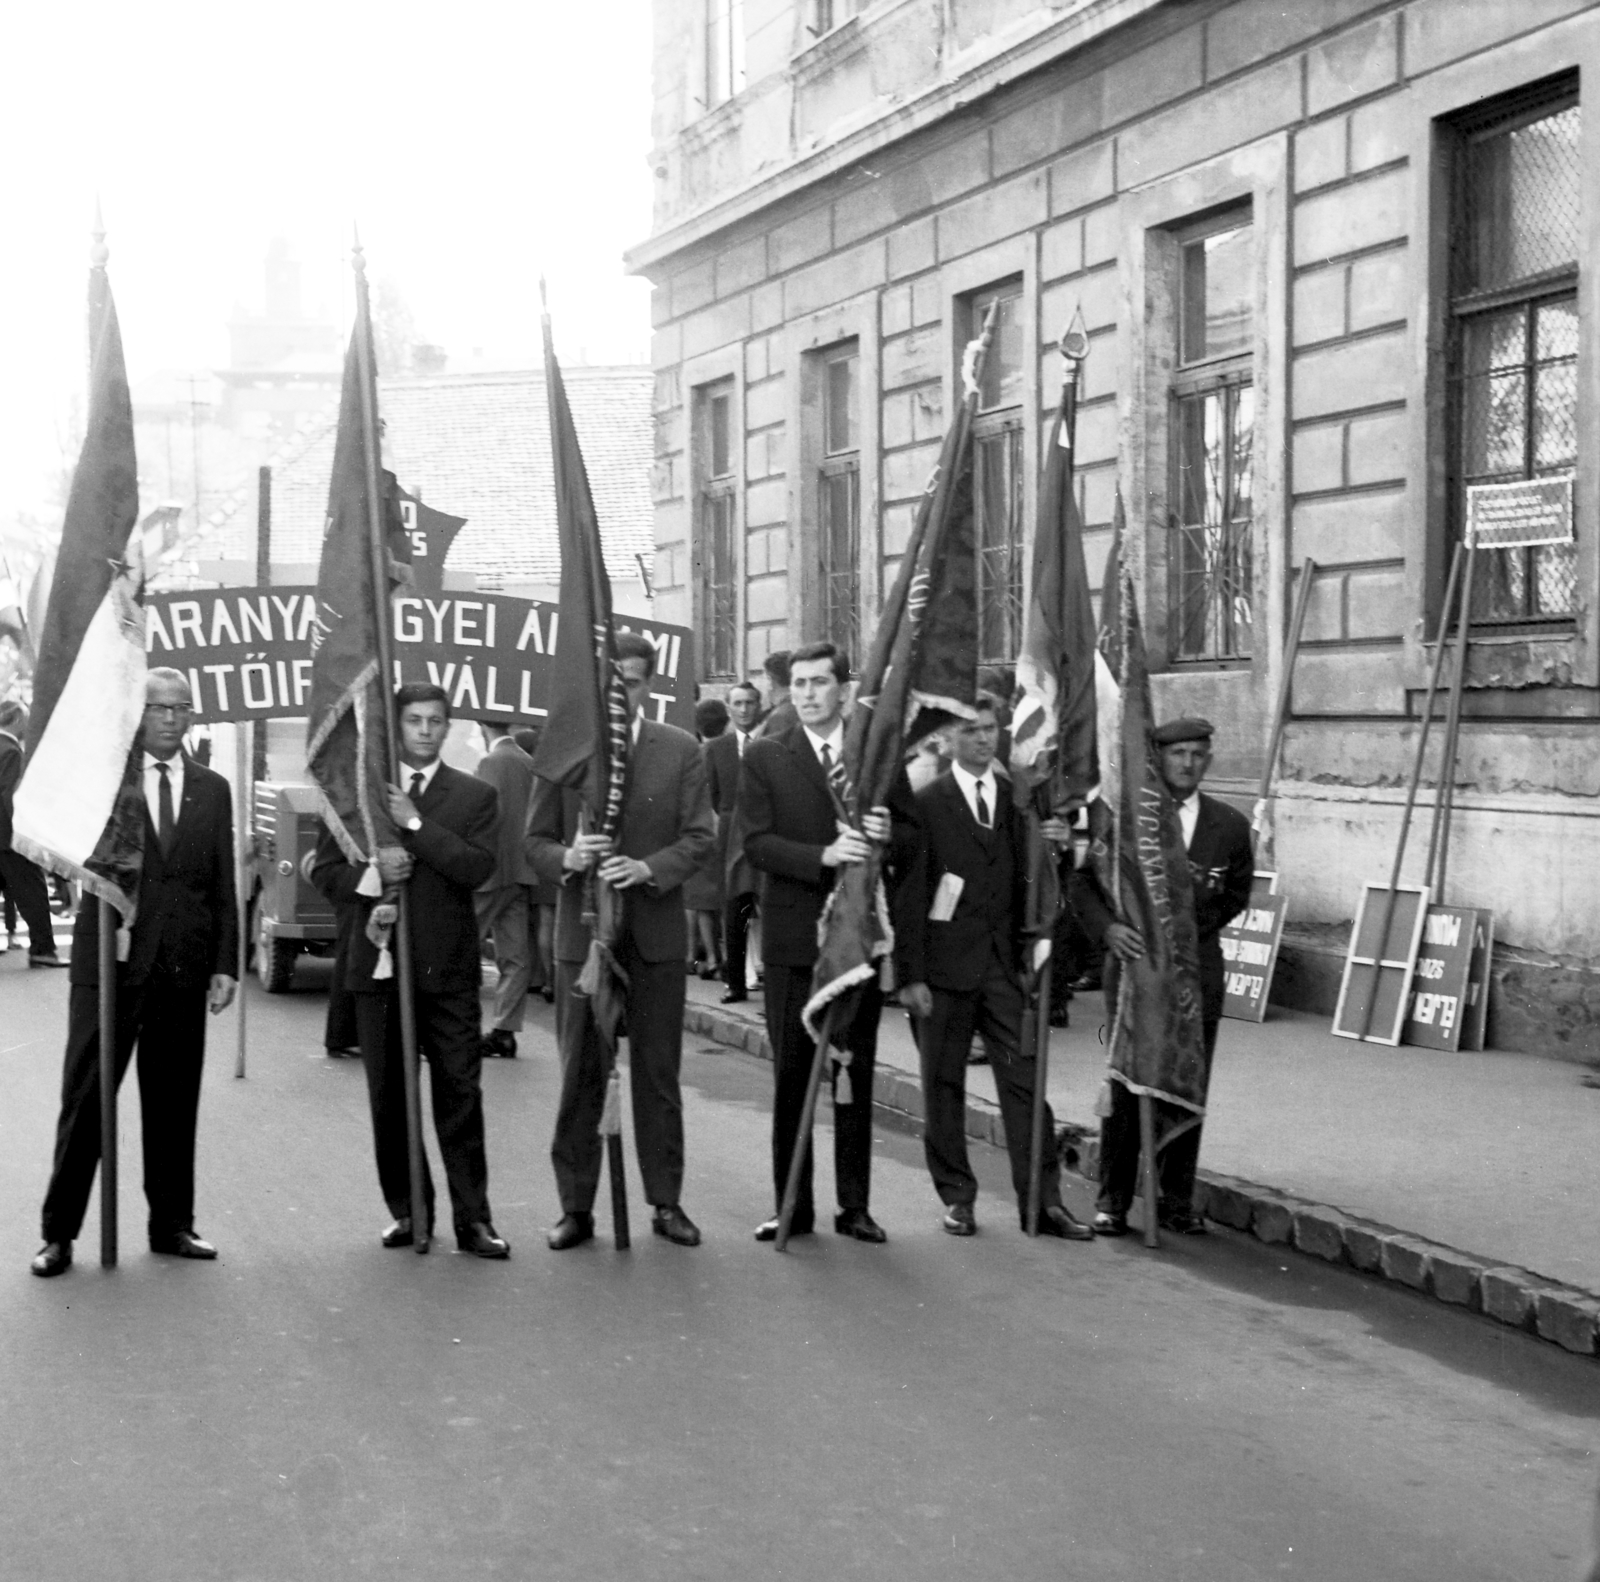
x,y
945,898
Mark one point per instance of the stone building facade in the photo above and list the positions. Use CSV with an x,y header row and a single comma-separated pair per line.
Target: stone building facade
x,y
1337,266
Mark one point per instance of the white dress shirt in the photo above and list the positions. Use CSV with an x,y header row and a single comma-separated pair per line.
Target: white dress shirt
x,y
833,741
1188,815
152,787
407,771
969,783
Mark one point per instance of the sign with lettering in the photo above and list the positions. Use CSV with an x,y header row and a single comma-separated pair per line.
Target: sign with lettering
x,y
247,652
1516,515
1250,951
1447,1005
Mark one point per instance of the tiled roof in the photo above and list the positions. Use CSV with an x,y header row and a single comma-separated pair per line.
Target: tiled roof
x,y
478,446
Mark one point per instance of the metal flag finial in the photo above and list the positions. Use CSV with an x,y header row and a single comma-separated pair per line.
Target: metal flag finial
x,y
1074,343
98,251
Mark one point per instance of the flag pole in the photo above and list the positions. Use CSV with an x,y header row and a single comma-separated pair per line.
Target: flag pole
x,y
1074,347
808,1113
107,964
381,622
242,801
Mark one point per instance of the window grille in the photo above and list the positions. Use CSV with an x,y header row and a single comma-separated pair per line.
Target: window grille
x,y
998,476
1513,333
839,500
1212,445
719,590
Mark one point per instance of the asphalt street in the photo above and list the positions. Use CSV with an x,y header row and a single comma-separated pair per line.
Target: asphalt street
x,y
311,1406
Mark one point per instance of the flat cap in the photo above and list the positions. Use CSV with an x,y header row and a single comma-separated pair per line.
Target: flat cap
x,y
1189,729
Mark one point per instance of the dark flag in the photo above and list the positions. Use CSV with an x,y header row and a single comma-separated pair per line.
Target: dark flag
x,y
347,734
585,740
79,810
1157,1045
921,673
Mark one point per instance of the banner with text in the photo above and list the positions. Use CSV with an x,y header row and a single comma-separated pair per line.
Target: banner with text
x,y
247,652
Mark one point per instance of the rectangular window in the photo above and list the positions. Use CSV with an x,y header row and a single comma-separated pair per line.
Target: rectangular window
x,y
719,602
997,475
1212,444
724,51
839,498
1513,332
830,13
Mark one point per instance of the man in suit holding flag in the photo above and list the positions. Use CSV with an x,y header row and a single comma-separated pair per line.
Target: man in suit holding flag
x,y
181,954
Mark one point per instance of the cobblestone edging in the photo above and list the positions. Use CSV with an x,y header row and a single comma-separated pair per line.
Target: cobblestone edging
x,y
1562,1314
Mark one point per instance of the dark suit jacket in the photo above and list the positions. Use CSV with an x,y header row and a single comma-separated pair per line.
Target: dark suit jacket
x,y
10,774
778,720
788,817
722,775
185,923
955,954
510,771
454,852
1222,866
667,823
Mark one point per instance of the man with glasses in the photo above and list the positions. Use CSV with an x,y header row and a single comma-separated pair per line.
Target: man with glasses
x,y
182,951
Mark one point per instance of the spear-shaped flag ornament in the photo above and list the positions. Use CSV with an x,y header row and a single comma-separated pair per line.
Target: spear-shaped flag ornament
x,y
584,744
79,810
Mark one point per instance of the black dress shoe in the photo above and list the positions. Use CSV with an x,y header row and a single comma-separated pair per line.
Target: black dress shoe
x,y
670,1221
482,1240
399,1233
54,1258
735,997
498,1044
800,1225
1181,1222
571,1230
1110,1224
1056,1221
47,959
859,1223
183,1244
959,1220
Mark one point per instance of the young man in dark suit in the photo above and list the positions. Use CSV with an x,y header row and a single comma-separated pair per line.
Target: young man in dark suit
x,y
794,837
21,880
958,947
446,821
183,951
504,898
724,754
1222,866
667,830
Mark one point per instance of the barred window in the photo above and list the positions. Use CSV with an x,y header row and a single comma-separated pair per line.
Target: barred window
x,y
997,477
1513,332
839,497
724,51
718,565
831,13
1212,444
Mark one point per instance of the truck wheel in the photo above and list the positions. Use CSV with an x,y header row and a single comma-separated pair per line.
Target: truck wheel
x,y
274,959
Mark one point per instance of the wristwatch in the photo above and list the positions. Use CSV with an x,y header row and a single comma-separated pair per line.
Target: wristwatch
x,y
414,823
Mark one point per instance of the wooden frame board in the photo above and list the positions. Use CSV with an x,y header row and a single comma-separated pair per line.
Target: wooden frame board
x,y
1381,971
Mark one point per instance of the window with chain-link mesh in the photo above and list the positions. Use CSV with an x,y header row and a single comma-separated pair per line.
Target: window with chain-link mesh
x,y
719,590
1513,334
839,498
997,478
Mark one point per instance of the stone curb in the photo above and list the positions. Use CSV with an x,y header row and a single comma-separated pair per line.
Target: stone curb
x,y
1562,1314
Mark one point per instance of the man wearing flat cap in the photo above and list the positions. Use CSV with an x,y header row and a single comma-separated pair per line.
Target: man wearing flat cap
x,y
1222,866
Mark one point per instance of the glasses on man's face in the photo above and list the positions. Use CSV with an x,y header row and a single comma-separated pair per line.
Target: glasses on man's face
x,y
171,711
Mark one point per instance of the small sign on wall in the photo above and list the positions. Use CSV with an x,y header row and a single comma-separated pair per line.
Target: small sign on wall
x,y
1449,992
1250,951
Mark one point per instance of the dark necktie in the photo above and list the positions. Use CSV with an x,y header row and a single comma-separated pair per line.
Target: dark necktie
x,y
983,808
165,825
416,786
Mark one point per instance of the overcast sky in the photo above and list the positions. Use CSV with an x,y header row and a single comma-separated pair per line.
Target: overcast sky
x,y
475,144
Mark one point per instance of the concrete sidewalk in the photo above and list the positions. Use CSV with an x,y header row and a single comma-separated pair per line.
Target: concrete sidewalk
x,y
1355,1147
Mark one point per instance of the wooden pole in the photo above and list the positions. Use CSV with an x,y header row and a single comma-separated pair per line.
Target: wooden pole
x,y
107,962
621,1237
242,847
258,757
1280,713
1387,913
1147,1172
1444,801
802,1138
381,615
1041,1081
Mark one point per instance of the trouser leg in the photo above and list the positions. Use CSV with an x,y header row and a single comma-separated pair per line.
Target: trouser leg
x,y
447,1028
1016,1074
172,1049
24,885
77,1152
785,992
378,1027
503,916
852,1122
575,1149
943,1042
1119,1152
656,993
735,931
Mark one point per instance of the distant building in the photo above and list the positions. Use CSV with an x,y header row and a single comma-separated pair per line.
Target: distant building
x,y
1338,264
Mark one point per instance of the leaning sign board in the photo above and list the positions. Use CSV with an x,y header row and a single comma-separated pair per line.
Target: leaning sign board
x,y
247,652
1250,951
1376,988
1449,994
